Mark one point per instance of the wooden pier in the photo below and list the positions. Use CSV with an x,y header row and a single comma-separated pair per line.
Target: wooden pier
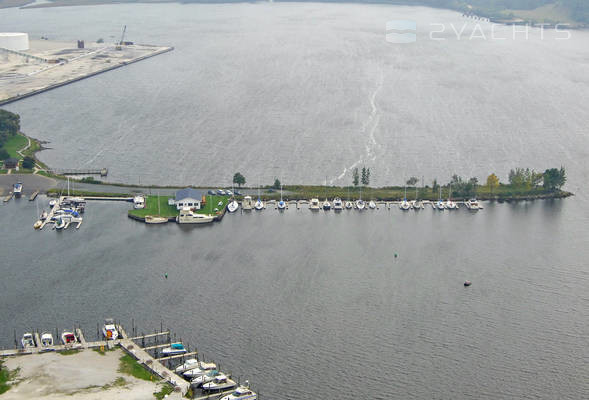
x,y
100,171
34,195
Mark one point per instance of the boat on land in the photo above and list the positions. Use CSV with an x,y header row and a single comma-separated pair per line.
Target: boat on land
x,y
232,206
109,330
220,383
247,203
187,216
241,393
174,349
338,204
46,339
360,204
138,202
68,337
17,189
326,205
27,340
314,205
206,378
201,369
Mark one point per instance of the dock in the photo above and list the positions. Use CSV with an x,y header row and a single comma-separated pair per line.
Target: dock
x,y
99,171
34,195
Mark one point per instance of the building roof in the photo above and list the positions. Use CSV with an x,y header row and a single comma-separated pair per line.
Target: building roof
x,y
11,160
187,193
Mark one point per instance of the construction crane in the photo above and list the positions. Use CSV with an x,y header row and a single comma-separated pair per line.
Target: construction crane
x,y
122,41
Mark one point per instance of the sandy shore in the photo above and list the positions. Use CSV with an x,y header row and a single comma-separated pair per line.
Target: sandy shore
x,y
86,375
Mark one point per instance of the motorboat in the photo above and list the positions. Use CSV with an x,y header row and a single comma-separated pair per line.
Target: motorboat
x,y
417,205
109,330
440,205
138,202
46,339
405,205
473,205
220,383
450,205
338,204
241,393
467,283
206,378
27,340
326,205
68,337
259,205
232,206
187,216
247,203
38,224
60,223
201,369
360,204
189,364
314,205
52,203
152,219
281,205
43,215
174,349
17,189
349,205
371,204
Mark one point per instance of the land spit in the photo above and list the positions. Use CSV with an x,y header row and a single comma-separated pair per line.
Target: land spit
x,y
48,64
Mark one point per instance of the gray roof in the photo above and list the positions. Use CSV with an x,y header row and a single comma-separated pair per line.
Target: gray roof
x,y
187,193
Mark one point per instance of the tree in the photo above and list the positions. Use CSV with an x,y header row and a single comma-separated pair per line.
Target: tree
x,y
238,179
412,181
9,125
3,154
356,177
367,176
28,163
364,176
276,184
492,182
435,186
554,178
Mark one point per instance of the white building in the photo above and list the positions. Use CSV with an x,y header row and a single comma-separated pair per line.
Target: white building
x,y
187,198
14,41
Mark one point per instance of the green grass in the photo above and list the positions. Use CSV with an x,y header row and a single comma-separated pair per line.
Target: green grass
x,y
15,143
212,203
166,389
70,352
3,171
128,365
4,378
151,207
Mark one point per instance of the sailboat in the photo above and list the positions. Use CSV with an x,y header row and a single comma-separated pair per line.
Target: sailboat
x,y
450,205
326,203
417,205
233,205
259,203
440,204
281,203
405,204
360,204
151,219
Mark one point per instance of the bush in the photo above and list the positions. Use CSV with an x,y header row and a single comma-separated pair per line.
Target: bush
x,y
4,154
28,163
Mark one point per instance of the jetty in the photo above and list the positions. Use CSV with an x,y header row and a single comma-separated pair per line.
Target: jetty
x,y
88,171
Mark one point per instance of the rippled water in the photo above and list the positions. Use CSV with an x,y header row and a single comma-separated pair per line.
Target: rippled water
x,y
315,306
304,91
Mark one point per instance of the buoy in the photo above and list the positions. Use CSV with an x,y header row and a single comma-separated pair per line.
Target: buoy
x,y
166,275
467,283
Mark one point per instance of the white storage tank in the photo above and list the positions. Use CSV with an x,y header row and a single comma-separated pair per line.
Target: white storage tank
x,y
14,41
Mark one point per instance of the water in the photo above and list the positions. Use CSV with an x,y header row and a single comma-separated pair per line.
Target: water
x,y
310,306
304,91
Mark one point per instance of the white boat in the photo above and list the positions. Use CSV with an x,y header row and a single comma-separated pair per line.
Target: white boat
x,y
405,205
440,205
60,223
109,330
259,204
68,337
247,203
220,383
27,340
138,202
187,216
360,205
206,378
52,203
371,204
201,369
314,205
349,205
152,219
232,206
46,339
473,205
17,189
326,205
450,205
193,363
417,205
338,204
241,393
174,349
281,204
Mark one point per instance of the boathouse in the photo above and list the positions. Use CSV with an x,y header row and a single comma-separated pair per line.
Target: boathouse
x,y
187,198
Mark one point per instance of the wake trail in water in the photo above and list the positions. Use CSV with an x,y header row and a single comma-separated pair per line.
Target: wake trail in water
x,y
370,125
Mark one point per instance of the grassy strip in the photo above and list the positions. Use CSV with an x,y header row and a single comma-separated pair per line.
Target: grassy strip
x,y
166,390
128,365
4,378
3,171
212,204
14,144
151,207
70,352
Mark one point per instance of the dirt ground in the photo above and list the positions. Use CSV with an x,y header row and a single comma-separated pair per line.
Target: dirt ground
x,y
84,376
